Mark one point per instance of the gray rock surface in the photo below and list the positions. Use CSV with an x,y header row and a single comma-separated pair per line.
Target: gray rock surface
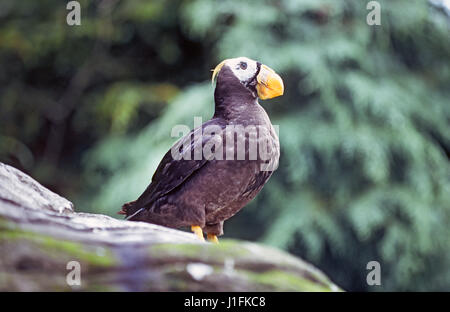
x,y
40,234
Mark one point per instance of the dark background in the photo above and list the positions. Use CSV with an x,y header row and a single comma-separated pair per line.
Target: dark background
x,y
364,123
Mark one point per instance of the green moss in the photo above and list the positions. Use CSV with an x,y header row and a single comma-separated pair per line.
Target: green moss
x,y
186,250
211,252
230,247
284,281
10,233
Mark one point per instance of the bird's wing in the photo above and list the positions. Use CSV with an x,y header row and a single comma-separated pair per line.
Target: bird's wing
x,y
257,182
171,172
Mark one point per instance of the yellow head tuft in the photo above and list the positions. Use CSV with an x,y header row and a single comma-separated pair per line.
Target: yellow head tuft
x,y
217,70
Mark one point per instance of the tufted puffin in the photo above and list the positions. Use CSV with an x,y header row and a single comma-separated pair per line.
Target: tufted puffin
x,y
216,169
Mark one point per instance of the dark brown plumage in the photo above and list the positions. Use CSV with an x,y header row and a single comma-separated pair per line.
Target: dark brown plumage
x,y
206,192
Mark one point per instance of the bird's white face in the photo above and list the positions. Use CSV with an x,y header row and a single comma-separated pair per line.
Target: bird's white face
x,y
243,68
268,83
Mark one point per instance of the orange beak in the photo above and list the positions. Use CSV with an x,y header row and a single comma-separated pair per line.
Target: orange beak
x,y
270,84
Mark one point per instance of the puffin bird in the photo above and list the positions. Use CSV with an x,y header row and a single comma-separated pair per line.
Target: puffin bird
x,y
216,169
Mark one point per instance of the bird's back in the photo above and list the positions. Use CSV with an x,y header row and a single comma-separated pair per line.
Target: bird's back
x,y
209,191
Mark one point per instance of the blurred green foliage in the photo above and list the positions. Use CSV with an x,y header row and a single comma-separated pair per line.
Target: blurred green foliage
x,y
364,122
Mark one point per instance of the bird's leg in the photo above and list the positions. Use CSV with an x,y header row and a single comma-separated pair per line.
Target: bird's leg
x,y
197,231
213,238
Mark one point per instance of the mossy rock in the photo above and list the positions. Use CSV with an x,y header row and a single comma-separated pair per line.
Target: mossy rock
x,y
40,234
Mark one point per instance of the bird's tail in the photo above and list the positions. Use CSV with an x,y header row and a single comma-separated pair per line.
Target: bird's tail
x,y
130,210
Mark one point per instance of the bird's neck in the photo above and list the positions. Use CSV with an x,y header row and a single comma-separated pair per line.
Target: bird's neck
x,y
234,104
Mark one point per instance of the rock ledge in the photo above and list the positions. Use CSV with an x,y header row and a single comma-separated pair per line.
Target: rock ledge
x,y
40,234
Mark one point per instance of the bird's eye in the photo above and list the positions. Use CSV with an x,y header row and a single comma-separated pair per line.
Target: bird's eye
x,y
243,65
